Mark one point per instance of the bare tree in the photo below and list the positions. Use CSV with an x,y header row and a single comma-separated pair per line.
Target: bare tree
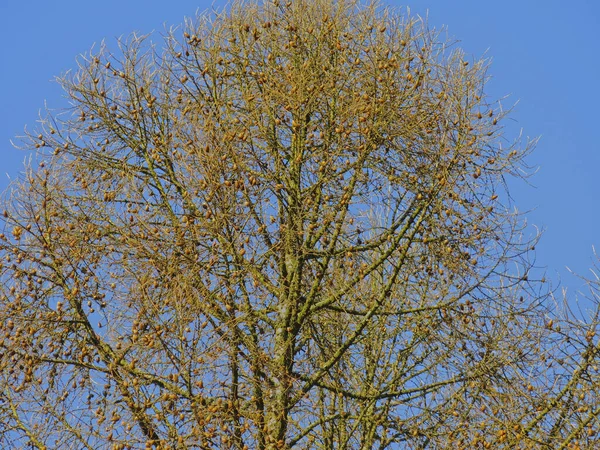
x,y
284,229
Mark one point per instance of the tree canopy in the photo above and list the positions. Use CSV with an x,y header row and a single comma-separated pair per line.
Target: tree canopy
x,y
285,226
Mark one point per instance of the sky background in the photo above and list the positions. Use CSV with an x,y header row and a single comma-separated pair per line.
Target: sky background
x,y
545,56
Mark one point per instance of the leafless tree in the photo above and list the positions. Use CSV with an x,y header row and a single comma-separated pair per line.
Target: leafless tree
x,y
286,228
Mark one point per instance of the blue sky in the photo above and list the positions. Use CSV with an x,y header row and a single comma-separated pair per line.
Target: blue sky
x,y
544,55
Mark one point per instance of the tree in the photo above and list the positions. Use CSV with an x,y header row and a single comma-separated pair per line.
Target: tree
x,y
283,230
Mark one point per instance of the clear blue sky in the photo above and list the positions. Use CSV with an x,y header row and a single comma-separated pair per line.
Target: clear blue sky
x,y
545,55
